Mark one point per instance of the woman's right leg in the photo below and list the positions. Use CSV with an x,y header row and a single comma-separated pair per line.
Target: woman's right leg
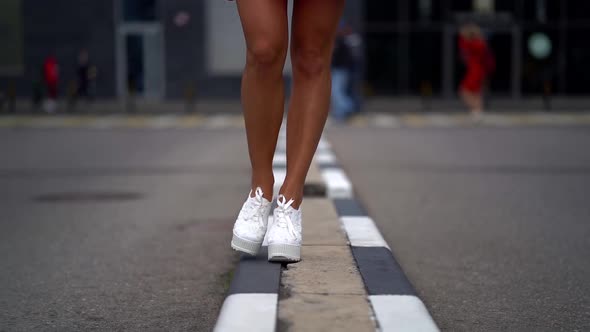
x,y
265,27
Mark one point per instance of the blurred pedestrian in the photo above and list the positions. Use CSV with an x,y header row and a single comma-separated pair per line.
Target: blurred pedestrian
x,y
343,104
37,88
51,79
266,30
354,40
479,62
83,73
86,73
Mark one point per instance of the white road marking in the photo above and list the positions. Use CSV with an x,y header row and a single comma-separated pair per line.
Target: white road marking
x,y
362,232
337,183
279,159
324,157
385,121
280,175
248,312
163,122
324,145
218,121
402,313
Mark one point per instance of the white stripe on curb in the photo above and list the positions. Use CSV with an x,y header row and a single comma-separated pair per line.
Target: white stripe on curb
x,y
279,159
324,157
248,312
280,174
362,232
337,183
402,313
324,145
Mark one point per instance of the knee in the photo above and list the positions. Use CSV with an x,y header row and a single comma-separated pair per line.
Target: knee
x,y
310,62
266,54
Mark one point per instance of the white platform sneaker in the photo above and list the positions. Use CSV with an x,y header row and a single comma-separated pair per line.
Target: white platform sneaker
x,y
284,236
250,227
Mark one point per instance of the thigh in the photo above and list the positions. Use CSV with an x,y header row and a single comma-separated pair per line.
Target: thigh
x,y
314,26
265,25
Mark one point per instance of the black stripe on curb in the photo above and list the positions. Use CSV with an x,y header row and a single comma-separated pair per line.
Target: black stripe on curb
x,y
348,207
256,275
310,189
380,271
329,165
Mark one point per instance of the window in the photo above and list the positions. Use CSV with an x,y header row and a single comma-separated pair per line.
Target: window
x,y
578,10
541,11
139,10
425,10
381,11
425,69
382,67
11,35
577,69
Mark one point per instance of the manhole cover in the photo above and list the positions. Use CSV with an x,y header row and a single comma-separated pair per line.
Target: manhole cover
x,y
98,196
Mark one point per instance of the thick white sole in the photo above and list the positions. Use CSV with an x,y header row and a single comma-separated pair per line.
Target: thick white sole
x,y
284,253
246,246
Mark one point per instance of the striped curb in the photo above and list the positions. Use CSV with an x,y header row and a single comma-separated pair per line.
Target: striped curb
x,y
252,300
395,302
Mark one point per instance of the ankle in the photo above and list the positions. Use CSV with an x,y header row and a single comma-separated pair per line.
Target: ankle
x,y
267,187
295,195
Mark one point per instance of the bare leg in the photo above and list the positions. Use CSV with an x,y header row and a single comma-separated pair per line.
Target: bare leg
x,y
473,101
266,32
312,40
477,103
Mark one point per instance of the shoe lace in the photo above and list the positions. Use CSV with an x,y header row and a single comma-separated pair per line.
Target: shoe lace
x,y
283,219
254,209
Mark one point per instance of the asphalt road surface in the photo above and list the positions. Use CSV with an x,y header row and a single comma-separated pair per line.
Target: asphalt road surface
x,y
128,229
122,230
492,226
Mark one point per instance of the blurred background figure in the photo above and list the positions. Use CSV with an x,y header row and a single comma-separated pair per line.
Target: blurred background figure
x,y
51,79
343,104
479,63
354,40
86,76
83,73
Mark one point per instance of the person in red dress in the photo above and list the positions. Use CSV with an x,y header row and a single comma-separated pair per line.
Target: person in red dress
x,y
479,62
51,78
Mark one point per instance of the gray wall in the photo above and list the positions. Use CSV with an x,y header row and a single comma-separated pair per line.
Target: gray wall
x,y
66,26
63,27
186,61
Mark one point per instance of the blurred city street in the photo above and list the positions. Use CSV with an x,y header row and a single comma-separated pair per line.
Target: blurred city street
x,y
449,190
127,228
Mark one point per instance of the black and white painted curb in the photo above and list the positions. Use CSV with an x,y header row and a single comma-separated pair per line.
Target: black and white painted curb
x,y
252,302
394,301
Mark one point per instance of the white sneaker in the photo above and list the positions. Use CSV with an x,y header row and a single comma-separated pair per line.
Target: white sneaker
x,y
284,237
250,227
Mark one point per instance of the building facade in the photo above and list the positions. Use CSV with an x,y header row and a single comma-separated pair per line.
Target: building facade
x,y
167,49
539,45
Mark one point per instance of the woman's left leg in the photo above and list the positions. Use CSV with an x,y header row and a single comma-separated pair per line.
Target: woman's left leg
x,y
312,40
